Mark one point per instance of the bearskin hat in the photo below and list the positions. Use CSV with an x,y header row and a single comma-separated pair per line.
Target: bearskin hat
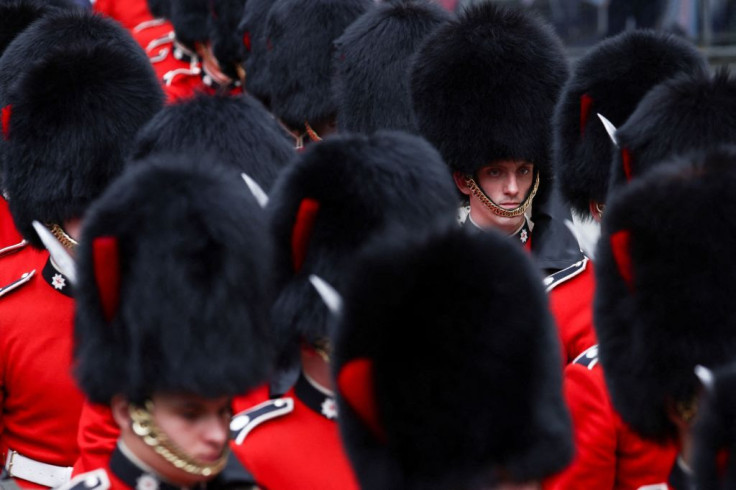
x,y
238,130
691,112
159,8
658,310
191,21
335,197
484,88
715,432
227,43
71,114
16,15
420,361
253,28
610,79
300,36
174,284
371,78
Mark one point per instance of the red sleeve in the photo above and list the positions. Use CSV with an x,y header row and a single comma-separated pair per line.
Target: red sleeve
x,y
97,436
594,465
571,304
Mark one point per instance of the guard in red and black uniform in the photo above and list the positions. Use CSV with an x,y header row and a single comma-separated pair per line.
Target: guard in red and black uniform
x,y
299,39
188,332
493,131
654,327
610,80
336,197
406,361
66,138
245,138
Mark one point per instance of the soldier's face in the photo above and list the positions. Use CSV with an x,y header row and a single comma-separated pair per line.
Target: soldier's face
x,y
507,183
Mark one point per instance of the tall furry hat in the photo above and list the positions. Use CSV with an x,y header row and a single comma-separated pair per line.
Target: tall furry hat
x,y
227,42
237,129
71,115
159,8
484,88
191,21
174,284
330,201
17,15
253,28
300,35
422,363
658,311
691,112
715,432
610,79
371,77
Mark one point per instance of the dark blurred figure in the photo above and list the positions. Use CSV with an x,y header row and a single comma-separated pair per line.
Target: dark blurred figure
x,y
645,14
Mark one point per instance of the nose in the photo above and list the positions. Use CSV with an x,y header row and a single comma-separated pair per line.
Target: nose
x,y
511,187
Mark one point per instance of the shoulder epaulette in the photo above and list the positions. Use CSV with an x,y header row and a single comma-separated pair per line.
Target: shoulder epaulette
x,y
564,275
588,358
244,422
13,248
21,281
94,480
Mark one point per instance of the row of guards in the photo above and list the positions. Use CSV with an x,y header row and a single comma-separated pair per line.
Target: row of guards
x,y
230,254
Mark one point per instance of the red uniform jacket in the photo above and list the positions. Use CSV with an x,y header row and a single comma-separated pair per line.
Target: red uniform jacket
x,y
10,238
292,441
40,400
129,13
608,454
97,436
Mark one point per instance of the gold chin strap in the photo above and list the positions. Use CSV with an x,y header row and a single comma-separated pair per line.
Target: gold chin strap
x,y
687,410
66,241
145,428
323,348
311,132
495,208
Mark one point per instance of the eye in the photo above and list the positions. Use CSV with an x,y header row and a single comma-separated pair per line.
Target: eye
x,y
525,170
493,172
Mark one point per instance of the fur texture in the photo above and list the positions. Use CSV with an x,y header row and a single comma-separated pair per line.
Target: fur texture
x,y
463,349
715,431
363,185
76,109
689,113
371,65
677,311
191,21
253,27
300,34
16,15
484,88
237,129
159,8
194,285
227,41
615,74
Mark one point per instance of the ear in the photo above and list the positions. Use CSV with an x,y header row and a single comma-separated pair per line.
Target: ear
x,y
596,210
119,408
459,179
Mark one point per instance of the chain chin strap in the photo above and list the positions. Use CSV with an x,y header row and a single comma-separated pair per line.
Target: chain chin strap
x,y
66,241
145,428
687,410
495,208
312,133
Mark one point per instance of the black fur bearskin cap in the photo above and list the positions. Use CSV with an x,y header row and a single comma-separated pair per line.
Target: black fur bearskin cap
x,y
331,201
174,285
484,88
17,15
715,432
449,337
73,113
299,37
692,112
159,8
372,56
190,19
239,130
227,40
610,79
659,310
253,28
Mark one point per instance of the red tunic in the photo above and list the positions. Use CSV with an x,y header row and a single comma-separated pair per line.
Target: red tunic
x,y
608,455
9,234
40,400
97,436
299,449
129,13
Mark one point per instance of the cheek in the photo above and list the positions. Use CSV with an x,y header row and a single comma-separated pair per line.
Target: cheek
x,y
492,187
178,429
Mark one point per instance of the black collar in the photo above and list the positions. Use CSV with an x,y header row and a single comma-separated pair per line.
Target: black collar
x,y
316,400
133,476
56,279
525,233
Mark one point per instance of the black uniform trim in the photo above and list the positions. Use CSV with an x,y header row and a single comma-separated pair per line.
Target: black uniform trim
x,y
233,476
130,474
314,399
244,422
94,480
589,357
559,277
23,280
57,280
